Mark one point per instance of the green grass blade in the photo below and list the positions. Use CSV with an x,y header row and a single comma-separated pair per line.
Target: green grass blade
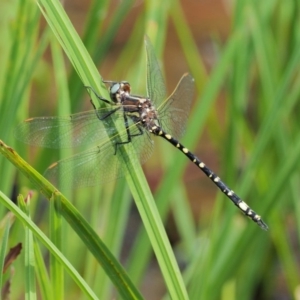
x,y
30,288
17,74
42,274
99,47
77,54
81,227
3,248
196,123
56,269
41,236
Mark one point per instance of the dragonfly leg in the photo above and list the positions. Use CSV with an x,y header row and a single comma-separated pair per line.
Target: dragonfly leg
x,y
129,134
98,96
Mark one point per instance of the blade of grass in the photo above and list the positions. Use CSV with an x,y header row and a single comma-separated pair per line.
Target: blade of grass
x,y
17,72
4,242
196,123
80,226
78,55
30,287
101,45
286,255
56,269
8,203
242,244
189,46
42,275
115,232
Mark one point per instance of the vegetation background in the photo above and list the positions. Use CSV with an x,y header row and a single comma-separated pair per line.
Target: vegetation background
x,y
244,124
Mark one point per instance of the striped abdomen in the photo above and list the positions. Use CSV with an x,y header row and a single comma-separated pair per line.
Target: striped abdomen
x,y
214,178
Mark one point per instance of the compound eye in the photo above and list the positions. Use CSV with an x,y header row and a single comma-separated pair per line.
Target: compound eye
x,y
114,88
126,87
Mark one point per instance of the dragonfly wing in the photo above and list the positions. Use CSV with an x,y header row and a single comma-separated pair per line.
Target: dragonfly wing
x,y
99,164
142,143
174,111
64,132
156,87
87,168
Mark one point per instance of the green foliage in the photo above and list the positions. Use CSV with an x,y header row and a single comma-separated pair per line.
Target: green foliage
x,y
223,255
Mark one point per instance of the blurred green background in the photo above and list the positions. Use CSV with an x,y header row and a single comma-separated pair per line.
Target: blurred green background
x,y
244,124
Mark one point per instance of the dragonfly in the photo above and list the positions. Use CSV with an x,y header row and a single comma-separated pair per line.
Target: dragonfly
x,y
141,118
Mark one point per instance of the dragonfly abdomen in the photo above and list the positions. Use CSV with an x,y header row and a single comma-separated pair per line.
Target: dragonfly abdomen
x,y
212,176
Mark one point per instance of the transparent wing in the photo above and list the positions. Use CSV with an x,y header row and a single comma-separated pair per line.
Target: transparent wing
x,y
101,163
70,131
87,168
156,86
142,143
174,111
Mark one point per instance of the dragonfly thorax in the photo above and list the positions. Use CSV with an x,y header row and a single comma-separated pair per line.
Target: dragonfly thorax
x,y
140,108
148,113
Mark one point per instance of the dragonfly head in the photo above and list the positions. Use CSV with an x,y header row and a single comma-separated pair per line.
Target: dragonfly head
x,y
117,89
